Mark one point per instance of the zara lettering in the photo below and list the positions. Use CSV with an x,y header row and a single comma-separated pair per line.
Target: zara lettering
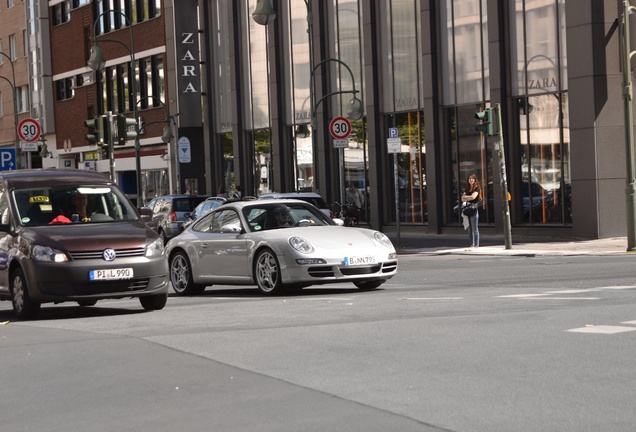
x,y
188,70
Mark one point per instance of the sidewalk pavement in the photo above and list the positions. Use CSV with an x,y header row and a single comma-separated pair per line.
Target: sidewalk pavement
x,y
433,244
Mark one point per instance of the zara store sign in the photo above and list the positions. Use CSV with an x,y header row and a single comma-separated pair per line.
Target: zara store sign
x,y
188,65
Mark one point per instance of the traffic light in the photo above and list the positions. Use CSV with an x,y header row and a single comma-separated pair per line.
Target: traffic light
x,y
98,130
123,131
486,117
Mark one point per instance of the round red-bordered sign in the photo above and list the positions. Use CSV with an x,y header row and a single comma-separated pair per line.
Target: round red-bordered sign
x,y
29,130
340,127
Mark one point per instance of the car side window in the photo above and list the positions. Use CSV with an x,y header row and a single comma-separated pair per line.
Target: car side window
x,y
152,203
4,209
163,206
226,218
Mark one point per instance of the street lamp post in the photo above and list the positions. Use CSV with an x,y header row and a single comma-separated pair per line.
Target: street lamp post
x,y
264,14
15,110
166,136
630,190
96,62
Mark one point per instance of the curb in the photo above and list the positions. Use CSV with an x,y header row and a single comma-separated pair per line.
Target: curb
x,y
490,251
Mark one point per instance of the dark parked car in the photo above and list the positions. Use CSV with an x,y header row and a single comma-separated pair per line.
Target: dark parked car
x,y
310,197
72,235
169,211
203,208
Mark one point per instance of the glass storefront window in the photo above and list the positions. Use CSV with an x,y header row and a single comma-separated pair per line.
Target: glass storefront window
x,y
471,153
545,167
411,176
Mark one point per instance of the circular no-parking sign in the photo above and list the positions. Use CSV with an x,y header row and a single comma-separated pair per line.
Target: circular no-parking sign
x,y
340,127
29,130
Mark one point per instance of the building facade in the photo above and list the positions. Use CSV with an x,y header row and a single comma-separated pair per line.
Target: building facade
x,y
15,101
423,70
252,102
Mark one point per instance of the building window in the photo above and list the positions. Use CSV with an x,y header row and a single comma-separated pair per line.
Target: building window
x,y
12,47
64,88
538,71
79,3
117,88
22,99
10,3
125,12
61,13
1,112
465,40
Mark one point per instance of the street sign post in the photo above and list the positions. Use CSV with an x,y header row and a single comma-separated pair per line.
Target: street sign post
x,y
185,155
7,159
394,145
340,127
29,130
341,143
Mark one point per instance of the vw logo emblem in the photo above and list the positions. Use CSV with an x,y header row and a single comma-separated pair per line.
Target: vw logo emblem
x,y
109,255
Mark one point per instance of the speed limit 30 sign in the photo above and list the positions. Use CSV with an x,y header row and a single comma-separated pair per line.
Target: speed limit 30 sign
x,y
29,130
340,127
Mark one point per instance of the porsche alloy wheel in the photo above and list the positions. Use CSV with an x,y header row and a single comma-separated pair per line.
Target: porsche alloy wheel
x,y
181,275
267,272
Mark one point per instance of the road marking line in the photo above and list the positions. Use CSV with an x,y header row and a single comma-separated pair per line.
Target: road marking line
x,y
629,322
602,329
328,298
522,295
561,298
432,298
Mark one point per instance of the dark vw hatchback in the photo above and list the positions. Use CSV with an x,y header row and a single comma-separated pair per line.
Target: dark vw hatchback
x,y
72,235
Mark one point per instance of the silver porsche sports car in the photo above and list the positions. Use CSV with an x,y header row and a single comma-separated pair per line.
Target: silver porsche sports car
x,y
277,245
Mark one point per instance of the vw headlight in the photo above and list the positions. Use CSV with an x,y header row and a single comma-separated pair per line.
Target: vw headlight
x,y
301,245
155,248
48,254
382,239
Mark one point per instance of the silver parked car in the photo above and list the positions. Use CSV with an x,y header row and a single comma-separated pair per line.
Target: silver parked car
x,y
276,245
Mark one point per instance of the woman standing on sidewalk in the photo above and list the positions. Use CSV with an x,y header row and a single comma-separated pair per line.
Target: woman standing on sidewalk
x,y
472,195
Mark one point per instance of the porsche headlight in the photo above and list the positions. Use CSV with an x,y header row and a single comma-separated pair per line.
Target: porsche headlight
x,y
155,248
48,254
382,239
301,245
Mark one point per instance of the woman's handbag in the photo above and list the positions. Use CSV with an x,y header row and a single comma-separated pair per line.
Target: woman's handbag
x,y
469,209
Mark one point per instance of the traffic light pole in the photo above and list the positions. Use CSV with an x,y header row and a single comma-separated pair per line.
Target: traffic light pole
x,y
630,189
499,146
111,146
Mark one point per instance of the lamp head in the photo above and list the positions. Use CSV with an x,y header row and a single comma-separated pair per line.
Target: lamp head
x,y
355,111
45,150
166,137
264,12
96,61
302,131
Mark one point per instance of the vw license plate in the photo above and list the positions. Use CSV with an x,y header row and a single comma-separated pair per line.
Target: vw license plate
x,y
110,274
353,261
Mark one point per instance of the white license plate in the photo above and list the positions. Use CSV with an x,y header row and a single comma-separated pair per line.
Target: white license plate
x,y
354,261
110,274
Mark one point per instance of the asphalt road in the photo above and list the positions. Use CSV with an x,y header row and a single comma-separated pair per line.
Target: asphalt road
x,y
457,343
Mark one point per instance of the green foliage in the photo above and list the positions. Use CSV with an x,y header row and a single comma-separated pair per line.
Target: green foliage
x,y
262,141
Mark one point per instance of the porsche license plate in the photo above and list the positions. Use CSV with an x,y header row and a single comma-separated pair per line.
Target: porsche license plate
x,y
111,274
353,261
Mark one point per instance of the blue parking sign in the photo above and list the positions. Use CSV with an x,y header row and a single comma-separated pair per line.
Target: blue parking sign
x,y
393,132
7,159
